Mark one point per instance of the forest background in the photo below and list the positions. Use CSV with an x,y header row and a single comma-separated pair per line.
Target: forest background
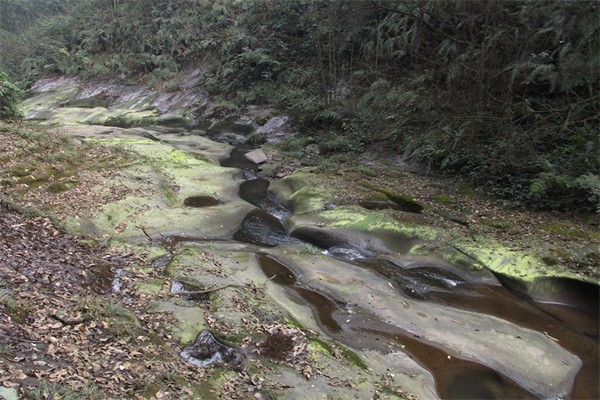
x,y
503,94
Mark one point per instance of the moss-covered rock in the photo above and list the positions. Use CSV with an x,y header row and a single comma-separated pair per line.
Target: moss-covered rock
x,y
520,264
190,320
159,187
404,201
360,219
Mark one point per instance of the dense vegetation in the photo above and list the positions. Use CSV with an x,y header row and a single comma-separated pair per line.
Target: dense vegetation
x,y
9,97
503,93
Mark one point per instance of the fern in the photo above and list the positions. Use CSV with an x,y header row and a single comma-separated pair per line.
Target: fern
x,y
516,69
9,97
547,182
590,184
329,115
447,48
543,73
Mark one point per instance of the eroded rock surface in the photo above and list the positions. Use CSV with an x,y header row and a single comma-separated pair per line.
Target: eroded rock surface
x,y
377,297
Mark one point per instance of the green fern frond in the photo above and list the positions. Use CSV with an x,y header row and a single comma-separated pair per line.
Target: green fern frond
x,y
518,68
543,72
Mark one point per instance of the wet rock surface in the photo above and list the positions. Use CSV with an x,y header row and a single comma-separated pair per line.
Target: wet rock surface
x,y
207,350
262,229
201,201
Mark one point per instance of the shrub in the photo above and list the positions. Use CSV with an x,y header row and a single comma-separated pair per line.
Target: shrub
x,y
9,97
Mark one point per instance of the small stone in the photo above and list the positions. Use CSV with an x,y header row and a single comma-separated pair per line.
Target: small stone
x,y
256,156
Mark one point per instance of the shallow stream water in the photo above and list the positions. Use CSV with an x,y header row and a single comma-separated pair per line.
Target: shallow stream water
x,y
573,319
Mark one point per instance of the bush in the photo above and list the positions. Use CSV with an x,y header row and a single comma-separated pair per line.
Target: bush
x,y
9,97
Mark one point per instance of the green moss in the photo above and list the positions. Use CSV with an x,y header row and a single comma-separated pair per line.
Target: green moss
x,y
320,345
211,389
442,199
353,357
169,194
56,173
291,321
33,180
132,119
151,389
33,177
391,393
190,321
377,196
17,310
119,141
525,266
122,322
307,199
61,186
454,257
307,248
496,224
22,171
550,259
202,157
404,201
207,391
568,230
562,253
467,190
170,269
151,287
181,158
360,219
231,339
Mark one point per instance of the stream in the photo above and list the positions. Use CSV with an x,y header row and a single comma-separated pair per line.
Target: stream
x,y
574,322
455,333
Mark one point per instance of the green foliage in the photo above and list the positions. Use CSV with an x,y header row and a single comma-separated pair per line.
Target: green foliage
x,y
504,93
256,138
296,143
333,142
9,97
333,163
16,15
590,184
547,182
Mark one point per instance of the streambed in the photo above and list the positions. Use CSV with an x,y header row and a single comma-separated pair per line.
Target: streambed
x,y
445,330
436,284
